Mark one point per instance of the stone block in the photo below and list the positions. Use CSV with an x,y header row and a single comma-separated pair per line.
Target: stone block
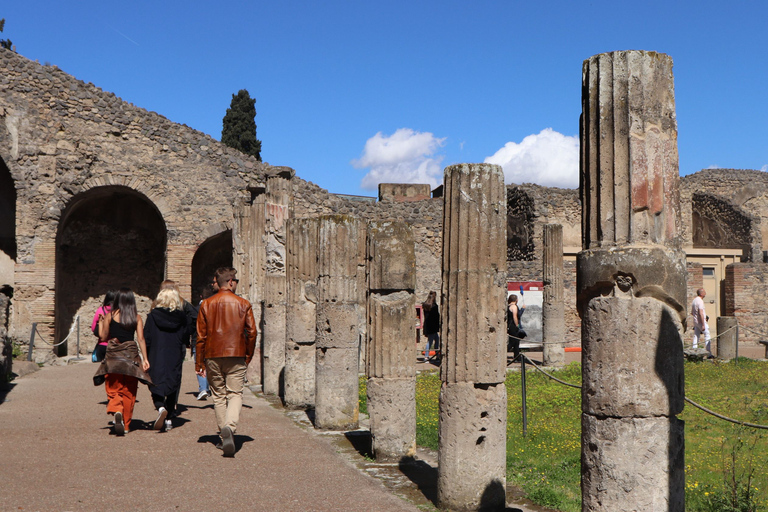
x,y
392,412
391,259
299,375
632,358
337,326
336,388
391,335
472,451
273,348
728,340
632,464
403,192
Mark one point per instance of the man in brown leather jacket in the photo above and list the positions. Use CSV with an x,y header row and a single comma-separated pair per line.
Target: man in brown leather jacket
x,y
226,338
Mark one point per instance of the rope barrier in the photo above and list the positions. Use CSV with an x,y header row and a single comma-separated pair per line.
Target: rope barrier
x,y
71,330
698,406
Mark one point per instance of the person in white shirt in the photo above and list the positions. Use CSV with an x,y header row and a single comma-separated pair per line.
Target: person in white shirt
x,y
700,321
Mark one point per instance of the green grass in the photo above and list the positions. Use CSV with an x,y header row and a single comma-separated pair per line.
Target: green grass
x,y
546,463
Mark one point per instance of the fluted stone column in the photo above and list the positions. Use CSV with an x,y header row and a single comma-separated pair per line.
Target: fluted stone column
x,y
631,286
301,249
473,399
390,362
249,259
553,310
728,337
341,240
276,208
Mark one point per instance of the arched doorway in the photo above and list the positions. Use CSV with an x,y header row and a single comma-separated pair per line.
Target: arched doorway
x,y
8,247
213,253
108,237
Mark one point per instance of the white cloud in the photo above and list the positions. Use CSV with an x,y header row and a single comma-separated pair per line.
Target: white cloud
x,y
764,168
405,156
548,158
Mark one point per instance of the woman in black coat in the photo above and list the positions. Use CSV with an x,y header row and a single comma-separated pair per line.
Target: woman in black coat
x,y
166,332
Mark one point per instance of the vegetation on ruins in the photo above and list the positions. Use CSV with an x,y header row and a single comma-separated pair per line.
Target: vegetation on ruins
x,y
721,458
5,43
239,125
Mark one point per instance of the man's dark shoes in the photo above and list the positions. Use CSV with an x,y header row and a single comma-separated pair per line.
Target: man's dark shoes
x,y
227,442
119,425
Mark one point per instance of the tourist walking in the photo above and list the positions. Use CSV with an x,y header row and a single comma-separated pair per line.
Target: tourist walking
x,y
166,333
203,389
100,350
125,362
700,319
514,332
431,328
226,339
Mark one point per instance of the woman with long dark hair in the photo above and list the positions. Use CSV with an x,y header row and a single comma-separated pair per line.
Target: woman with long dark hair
x,y
125,363
431,325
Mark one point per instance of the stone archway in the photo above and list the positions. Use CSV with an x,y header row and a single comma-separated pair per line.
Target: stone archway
x,y
108,237
215,252
8,247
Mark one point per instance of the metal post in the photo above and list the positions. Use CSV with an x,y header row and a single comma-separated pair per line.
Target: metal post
x,y
32,341
522,382
78,358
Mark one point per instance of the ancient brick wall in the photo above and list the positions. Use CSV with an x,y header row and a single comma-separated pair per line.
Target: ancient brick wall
x,y
746,290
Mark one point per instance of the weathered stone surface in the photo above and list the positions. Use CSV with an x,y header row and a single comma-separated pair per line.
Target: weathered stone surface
x,y
472,458
629,189
391,259
728,337
553,306
404,192
337,326
336,388
641,458
391,335
299,375
392,409
631,286
341,240
632,359
474,277
273,348
255,369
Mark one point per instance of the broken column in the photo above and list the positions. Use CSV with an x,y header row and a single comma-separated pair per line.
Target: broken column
x,y
631,286
341,241
727,337
276,210
473,398
390,362
301,271
553,306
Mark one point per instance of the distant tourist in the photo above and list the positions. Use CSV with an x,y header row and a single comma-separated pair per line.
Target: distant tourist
x,y
514,331
431,327
125,363
700,319
226,339
203,390
167,334
101,345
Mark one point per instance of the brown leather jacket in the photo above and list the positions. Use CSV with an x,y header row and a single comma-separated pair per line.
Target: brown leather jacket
x,y
225,328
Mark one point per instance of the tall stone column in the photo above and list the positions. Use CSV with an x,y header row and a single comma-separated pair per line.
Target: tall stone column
x,y
341,240
631,286
301,249
277,208
390,362
553,310
249,259
473,398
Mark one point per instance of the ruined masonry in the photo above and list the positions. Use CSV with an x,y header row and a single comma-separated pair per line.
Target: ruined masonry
x,y
301,314
553,307
341,244
473,398
390,361
277,210
631,287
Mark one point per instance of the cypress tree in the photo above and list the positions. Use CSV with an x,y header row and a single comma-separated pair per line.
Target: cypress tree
x,y
239,125
5,43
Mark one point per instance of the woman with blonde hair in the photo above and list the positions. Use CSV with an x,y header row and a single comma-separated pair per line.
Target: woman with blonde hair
x,y
165,333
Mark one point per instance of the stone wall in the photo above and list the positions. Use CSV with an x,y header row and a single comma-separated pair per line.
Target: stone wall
x,y
746,290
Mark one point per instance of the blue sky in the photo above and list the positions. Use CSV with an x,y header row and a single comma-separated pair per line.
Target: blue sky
x,y
351,94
